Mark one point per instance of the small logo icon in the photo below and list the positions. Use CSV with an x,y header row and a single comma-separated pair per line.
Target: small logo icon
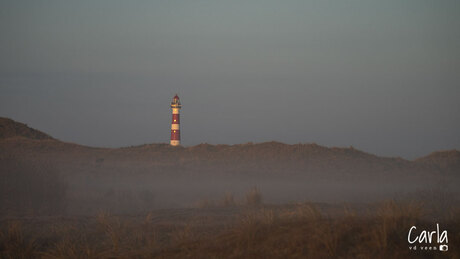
x,y
443,248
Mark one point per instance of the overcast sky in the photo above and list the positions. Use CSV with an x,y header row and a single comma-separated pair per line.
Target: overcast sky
x,y
382,76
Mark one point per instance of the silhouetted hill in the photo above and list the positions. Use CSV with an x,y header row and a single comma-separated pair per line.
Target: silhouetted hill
x,y
448,161
131,177
243,159
10,128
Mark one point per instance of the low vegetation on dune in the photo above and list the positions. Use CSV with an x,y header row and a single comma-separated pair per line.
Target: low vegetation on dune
x,y
249,158
10,129
295,231
63,200
444,161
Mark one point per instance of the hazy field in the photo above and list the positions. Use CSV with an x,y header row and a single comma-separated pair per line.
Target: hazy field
x,y
63,200
227,230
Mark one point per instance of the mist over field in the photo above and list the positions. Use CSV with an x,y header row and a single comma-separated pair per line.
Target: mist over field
x,y
157,176
155,200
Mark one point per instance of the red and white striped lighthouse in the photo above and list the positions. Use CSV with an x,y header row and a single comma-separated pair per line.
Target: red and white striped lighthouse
x,y
175,129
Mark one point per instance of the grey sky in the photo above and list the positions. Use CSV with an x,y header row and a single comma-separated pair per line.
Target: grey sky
x,y
382,76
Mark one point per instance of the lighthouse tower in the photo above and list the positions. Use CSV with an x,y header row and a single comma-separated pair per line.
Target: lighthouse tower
x,y
175,129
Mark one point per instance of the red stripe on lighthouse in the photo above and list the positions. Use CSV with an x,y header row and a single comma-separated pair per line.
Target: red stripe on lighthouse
x,y
175,119
175,134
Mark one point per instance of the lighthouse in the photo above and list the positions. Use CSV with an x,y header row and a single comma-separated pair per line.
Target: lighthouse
x,y
175,129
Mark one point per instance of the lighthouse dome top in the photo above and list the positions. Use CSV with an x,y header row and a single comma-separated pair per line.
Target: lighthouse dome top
x,y
175,102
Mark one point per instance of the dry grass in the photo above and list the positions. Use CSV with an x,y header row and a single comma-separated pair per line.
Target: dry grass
x,y
393,217
296,231
204,203
228,200
15,244
182,234
112,227
308,211
254,197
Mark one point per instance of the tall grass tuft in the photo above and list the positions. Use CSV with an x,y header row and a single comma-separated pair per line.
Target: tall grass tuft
x,y
181,235
254,197
14,243
393,221
112,228
308,211
228,200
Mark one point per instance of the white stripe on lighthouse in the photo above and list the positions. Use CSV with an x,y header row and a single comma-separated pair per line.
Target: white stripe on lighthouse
x,y
174,126
175,110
